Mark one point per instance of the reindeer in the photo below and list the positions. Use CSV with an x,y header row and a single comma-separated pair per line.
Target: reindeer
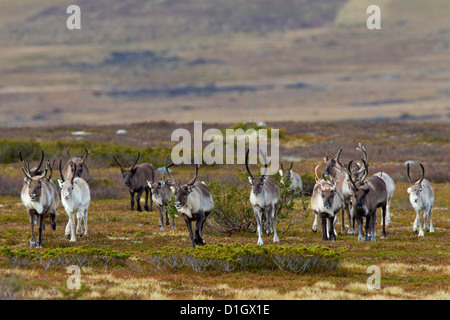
x,y
193,202
295,182
333,168
368,195
421,197
38,197
326,203
75,197
76,167
136,181
162,196
264,198
390,185
36,171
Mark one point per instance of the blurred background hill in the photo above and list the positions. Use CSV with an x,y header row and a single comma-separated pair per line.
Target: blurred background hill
x,y
223,61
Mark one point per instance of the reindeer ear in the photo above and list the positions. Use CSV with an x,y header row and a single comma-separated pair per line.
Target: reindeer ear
x,y
149,184
172,188
250,180
280,172
162,183
264,178
409,190
60,182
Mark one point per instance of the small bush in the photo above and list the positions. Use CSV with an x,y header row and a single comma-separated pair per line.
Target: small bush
x,y
227,258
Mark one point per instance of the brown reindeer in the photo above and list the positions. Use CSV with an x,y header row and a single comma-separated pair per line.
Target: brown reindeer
x,y
136,181
368,195
76,167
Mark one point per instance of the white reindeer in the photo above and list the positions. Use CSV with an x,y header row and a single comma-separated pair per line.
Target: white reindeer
x,y
326,203
75,197
421,196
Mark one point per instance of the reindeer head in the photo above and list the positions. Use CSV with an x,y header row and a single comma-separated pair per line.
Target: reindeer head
x,y
161,187
360,188
34,183
35,171
127,175
256,182
332,163
181,192
76,164
326,191
416,188
288,173
66,185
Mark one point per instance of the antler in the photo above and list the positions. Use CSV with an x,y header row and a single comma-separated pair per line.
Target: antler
x,y
121,168
317,178
135,163
85,155
423,173
246,164
167,166
60,170
197,166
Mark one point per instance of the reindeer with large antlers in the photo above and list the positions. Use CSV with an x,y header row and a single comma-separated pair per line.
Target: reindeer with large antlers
x,y
38,197
136,181
326,203
421,197
193,202
368,195
264,198
36,171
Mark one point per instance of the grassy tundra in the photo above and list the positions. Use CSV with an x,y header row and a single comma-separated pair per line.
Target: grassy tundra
x,y
116,258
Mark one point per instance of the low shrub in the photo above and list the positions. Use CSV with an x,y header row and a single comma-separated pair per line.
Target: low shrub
x,y
227,258
80,256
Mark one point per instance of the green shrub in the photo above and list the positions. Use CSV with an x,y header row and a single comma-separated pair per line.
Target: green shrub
x,y
227,258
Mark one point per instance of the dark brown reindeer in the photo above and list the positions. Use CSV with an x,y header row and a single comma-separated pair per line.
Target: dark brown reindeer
x,y
194,203
76,167
368,195
162,196
136,181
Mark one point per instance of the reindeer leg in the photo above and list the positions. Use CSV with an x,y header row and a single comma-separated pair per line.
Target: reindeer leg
x,y
274,219
419,223
257,212
147,190
138,200
430,218
189,226
41,226
343,228
360,231
316,223
383,213
324,227
53,220
132,200
85,219
161,218
198,229
31,215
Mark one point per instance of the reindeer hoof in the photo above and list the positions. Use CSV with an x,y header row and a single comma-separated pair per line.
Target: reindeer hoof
x,y
33,244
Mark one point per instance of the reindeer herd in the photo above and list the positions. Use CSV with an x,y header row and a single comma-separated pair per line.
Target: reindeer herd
x,y
341,187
